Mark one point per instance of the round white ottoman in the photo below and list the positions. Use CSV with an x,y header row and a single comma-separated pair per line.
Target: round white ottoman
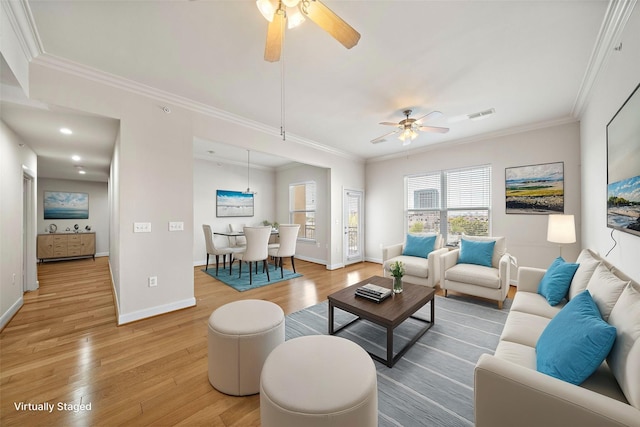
x,y
318,380
241,336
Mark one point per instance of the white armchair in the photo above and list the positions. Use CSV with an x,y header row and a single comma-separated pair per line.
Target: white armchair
x,y
491,282
418,270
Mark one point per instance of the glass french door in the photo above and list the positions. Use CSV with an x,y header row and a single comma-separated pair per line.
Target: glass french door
x,y
353,235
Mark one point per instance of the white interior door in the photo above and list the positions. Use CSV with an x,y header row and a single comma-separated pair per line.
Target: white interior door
x,y
353,235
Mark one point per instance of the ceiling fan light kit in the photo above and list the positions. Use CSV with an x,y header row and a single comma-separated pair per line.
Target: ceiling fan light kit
x,y
293,12
409,127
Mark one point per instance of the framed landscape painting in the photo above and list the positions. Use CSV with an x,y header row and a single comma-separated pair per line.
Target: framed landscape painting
x,y
623,167
65,205
233,203
535,189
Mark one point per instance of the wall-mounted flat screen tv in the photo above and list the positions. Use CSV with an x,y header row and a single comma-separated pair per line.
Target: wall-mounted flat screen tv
x,y
623,167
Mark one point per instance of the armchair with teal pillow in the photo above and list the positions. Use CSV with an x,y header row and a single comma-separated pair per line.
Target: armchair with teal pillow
x,y
481,267
420,254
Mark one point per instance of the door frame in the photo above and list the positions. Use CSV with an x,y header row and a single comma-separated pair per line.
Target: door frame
x,y
345,221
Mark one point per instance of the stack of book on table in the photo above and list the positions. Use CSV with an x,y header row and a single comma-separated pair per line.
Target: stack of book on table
x,y
373,292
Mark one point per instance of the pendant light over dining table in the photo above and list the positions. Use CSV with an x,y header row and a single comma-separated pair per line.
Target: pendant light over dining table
x,y
248,190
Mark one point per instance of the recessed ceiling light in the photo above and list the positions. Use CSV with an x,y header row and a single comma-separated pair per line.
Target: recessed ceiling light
x,y
66,131
81,172
76,158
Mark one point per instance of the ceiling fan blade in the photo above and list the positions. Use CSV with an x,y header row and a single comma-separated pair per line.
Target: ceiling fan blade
x,y
330,22
275,32
389,124
431,115
434,129
381,138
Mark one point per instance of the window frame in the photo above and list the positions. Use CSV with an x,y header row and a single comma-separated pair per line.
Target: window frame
x,y
293,211
443,210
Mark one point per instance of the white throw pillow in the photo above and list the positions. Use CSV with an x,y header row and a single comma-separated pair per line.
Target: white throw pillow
x,y
587,265
605,288
624,358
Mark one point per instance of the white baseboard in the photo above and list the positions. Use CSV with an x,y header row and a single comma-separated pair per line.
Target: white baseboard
x,y
155,311
100,254
8,315
309,259
376,260
335,266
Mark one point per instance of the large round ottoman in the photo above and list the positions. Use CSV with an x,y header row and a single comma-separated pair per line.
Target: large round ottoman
x,y
241,336
318,380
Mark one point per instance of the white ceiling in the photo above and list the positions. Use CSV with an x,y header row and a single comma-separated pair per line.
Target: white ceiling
x,y
526,59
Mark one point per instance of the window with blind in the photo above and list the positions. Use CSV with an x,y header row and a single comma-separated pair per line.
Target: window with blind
x,y
450,202
302,208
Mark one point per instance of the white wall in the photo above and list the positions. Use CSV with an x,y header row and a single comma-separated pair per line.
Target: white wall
x,y
619,76
12,157
98,209
314,251
209,176
526,234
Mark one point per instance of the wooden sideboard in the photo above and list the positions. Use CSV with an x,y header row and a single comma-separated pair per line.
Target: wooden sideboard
x,y
66,245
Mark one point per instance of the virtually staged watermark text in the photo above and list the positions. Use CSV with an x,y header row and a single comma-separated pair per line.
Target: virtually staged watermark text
x,y
50,407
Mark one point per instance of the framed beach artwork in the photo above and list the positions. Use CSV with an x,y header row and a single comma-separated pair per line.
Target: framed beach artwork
x,y
535,189
233,203
65,205
623,167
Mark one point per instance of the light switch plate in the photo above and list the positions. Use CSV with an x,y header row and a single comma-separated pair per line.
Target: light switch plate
x,y
176,226
142,227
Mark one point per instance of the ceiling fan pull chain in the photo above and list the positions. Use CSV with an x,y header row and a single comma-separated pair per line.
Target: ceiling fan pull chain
x,y
282,90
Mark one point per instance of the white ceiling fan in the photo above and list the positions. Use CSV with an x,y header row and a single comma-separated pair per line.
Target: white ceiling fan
x,y
409,127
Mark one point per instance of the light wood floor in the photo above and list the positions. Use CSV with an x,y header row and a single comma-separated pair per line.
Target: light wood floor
x,y
64,347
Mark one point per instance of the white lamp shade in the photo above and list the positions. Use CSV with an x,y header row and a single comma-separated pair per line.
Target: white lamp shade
x,y
561,229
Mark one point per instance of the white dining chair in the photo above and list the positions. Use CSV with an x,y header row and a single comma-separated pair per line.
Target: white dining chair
x,y
212,249
237,241
287,247
256,250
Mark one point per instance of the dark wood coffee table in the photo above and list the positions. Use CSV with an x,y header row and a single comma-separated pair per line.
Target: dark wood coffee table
x,y
389,313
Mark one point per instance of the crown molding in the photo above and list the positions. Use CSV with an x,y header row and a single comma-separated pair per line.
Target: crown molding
x,y
477,138
24,27
93,74
615,19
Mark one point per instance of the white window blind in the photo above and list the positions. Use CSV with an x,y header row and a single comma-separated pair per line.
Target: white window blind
x,y
450,202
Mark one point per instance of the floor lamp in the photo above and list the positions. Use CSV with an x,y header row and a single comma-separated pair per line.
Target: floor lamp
x,y
561,229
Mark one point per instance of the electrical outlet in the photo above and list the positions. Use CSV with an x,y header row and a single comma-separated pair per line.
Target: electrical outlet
x,y
153,281
176,226
142,227
14,278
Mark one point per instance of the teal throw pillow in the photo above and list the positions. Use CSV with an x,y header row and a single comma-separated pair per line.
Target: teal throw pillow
x,y
476,252
419,246
556,281
575,342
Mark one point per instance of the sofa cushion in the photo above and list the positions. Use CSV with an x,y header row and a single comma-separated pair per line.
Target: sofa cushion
x,y
419,246
524,328
413,266
475,252
624,359
499,249
520,354
474,274
532,303
575,342
556,281
587,263
605,288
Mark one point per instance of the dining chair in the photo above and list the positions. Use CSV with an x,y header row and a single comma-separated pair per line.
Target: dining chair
x,y
212,249
237,241
287,247
256,250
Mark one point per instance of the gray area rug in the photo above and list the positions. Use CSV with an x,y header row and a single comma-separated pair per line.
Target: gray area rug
x,y
432,384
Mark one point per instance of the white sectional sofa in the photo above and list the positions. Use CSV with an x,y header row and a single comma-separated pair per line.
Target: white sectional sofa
x,y
510,391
